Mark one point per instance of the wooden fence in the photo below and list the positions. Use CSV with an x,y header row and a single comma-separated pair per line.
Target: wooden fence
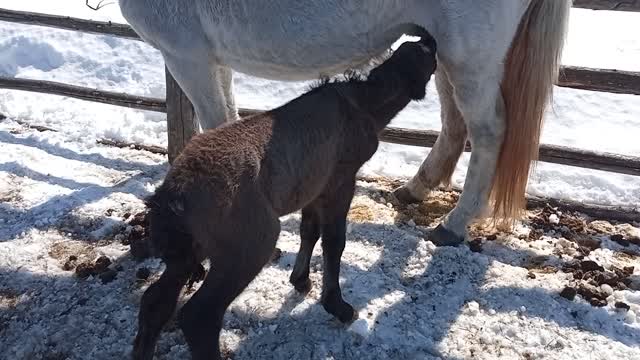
x,y
179,110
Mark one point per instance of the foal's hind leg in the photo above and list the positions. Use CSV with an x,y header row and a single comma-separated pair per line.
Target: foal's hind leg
x,y
309,235
157,306
439,165
236,263
205,84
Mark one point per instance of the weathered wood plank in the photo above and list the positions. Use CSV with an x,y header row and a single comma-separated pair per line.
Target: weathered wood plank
x,y
127,145
180,118
604,80
614,5
83,93
548,153
179,134
69,23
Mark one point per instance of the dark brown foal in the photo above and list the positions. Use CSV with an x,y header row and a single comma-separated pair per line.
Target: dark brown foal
x,y
224,194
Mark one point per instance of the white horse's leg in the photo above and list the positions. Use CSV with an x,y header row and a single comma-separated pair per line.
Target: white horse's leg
x,y
225,74
504,129
441,161
203,84
478,96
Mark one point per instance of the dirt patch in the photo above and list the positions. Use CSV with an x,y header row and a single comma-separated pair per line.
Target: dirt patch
x,y
627,255
573,234
361,213
11,195
538,265
100,268
595,283
387,184
136,235
70,253
550,220
428,212
8,298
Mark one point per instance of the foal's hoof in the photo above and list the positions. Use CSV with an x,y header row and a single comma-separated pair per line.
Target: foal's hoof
x,y
341,310
441,236
303,286
405,196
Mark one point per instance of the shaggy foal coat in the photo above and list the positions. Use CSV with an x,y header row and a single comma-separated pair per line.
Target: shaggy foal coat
x,y
223,196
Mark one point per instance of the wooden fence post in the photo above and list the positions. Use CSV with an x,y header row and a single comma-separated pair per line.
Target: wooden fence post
x,y
181,124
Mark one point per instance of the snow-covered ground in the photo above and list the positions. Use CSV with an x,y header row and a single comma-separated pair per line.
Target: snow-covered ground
x,y
62,195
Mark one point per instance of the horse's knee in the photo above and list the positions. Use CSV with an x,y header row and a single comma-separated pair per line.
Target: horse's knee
x,y
486,135
488,131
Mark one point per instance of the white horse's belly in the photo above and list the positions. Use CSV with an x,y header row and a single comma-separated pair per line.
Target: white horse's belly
x,y
286,41
273,68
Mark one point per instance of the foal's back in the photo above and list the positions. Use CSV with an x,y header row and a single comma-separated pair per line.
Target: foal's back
x,y
287,154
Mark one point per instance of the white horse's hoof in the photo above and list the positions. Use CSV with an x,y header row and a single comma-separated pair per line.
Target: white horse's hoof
x,y
441,236
404,196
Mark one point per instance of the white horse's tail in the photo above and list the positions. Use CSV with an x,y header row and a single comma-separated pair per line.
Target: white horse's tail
x,y
531,68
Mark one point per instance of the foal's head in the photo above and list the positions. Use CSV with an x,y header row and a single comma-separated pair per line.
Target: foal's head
x,y
412,64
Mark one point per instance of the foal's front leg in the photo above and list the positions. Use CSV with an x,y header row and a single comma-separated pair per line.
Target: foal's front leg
x,y
333,242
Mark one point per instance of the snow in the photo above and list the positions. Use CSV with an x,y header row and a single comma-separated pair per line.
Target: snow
x,y
61,194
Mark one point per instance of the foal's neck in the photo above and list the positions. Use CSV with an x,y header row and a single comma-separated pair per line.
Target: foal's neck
x,y
381,101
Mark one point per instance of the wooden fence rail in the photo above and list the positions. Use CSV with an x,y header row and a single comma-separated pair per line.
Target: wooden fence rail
x,y
69,23
613,81
84,93
181,129
629,165
603,80
615,5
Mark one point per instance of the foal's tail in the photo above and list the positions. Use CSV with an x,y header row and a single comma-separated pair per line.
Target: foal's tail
x,y
531,68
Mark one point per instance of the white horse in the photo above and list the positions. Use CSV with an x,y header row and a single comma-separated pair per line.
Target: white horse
x,y
497,62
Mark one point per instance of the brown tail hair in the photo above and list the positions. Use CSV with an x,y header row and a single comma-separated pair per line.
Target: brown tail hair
x,y
531,68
